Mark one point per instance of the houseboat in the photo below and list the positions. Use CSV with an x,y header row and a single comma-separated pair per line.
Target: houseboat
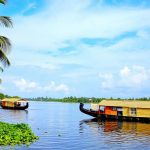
x,y
119,110
14,103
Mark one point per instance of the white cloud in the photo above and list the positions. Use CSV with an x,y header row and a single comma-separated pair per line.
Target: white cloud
x,y
137,76
143,33
25,85
125,71
60,22
1,89
56,87
107,81
79,74
37,40
57,25
134,77
30,86
50,67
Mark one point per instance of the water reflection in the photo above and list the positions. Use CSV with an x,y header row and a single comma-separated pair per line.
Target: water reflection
x,y
13,116
126,134
116,126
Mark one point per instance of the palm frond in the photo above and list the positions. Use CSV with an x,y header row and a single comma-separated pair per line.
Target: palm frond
x,y
6,21
3,1
3,58
1,69
5,44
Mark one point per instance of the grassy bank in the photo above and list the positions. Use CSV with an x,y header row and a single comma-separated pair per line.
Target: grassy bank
x,y
16,134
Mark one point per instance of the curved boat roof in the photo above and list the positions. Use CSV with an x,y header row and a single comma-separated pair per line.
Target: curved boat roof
x,y
13,100
126,103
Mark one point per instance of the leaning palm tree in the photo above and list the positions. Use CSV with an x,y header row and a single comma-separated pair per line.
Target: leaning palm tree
x,y
3,1
5,44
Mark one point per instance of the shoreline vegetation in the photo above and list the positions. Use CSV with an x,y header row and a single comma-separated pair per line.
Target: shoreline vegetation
x,y
81,99
16,134
73,99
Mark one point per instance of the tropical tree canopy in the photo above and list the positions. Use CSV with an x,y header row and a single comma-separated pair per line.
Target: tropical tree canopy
x,y
5,44
2,1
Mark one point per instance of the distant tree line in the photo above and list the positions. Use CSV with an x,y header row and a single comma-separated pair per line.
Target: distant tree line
x,y
72,99
2,96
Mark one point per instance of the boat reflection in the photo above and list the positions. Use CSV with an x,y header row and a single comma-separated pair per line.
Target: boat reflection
x,y
14,116
116,127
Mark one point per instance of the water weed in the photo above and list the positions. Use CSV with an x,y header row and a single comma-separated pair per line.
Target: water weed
x,y
16,134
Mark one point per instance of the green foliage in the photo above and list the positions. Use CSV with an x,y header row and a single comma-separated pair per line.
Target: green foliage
x,y
2,1
5,44
2,96
16,134
68,99
72,99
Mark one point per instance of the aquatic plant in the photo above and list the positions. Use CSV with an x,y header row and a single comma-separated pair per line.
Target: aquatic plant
x,y
16,134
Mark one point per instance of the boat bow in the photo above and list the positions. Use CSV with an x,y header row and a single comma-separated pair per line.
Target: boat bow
x,y
88,111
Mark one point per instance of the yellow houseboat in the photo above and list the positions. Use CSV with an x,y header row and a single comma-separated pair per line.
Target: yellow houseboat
x,y
14,103
120,109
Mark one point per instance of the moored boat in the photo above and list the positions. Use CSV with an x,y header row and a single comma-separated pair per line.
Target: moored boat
x,y
14,103
119,110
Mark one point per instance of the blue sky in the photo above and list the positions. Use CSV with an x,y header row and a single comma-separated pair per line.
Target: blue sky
x,y
90,48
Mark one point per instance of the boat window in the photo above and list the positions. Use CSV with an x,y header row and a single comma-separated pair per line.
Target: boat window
x,y
119,109
132,111
114,108
102,108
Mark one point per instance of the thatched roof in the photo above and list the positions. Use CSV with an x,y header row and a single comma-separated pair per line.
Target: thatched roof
x,y
13,100
126,103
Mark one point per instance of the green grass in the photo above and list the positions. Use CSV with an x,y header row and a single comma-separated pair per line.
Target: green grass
x,y
16,134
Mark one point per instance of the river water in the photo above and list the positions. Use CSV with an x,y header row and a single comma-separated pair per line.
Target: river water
x,y
61,126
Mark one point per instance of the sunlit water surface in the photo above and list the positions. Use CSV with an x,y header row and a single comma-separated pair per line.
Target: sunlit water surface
x,y
62,126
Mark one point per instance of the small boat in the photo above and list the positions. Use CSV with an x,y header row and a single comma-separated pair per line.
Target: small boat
x,y
14,103
119,110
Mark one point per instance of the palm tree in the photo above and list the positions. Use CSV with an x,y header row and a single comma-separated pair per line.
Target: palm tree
x,y
5,44
2,1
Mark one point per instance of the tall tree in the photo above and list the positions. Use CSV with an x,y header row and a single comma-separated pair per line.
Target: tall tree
x,y
5,44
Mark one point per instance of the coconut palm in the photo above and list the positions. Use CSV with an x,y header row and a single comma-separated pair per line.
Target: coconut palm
x,y
5,44
3,1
